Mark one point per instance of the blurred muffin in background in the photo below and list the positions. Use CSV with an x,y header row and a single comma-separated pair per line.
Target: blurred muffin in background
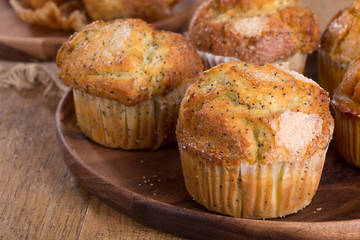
x,y
340,45
40,3
76,14
255,31
148,10
58,14
346,104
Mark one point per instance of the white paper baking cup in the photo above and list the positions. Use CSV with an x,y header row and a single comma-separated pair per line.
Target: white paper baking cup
x,y
253,191
347,136
296,62
147,125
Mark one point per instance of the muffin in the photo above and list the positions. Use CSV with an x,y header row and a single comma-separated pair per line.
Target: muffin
x,y
340,45
346,105
147,10
58,14
253,139
128,80
255,31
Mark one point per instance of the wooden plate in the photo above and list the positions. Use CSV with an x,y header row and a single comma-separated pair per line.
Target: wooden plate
x,y
149,186
21,41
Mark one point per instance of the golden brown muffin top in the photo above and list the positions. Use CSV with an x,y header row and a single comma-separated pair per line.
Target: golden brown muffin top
x,y
347,95
341,39
243,113
127,60
256,31
148,10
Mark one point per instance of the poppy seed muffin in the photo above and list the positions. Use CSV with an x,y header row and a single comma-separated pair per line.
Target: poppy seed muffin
x,y
148,10
346,105
128,80
255,31
253,139
340,45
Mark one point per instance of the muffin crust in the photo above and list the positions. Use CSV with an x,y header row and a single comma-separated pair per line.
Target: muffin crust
x,y
127,60
255,31
242,113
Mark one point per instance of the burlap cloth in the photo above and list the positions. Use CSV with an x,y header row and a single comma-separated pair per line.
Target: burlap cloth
x,y
23,76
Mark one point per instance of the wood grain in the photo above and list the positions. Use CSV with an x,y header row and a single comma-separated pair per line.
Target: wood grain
x,y
128,180
39,197
35,187
104,222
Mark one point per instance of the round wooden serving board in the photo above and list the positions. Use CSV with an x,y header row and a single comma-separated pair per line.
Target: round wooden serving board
x,y
20,41
149,186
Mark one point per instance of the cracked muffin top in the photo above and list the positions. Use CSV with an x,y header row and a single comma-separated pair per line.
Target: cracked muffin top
x,y
347,95
127,60
243,113
341,39
256,31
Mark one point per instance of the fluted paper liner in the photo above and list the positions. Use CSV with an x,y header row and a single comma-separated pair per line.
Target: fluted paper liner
x,y
331,71
347,135
253,191
296,62
147,125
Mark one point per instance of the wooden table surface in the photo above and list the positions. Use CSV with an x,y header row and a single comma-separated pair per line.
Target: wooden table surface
x,y
39,197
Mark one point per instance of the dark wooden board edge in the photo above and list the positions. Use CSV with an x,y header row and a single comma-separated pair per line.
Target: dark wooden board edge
x,y
47,49
187,222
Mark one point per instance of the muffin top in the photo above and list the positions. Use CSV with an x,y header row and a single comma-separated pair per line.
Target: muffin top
x,y
243,113
148,10
347,96
127,60
341,39
256,31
